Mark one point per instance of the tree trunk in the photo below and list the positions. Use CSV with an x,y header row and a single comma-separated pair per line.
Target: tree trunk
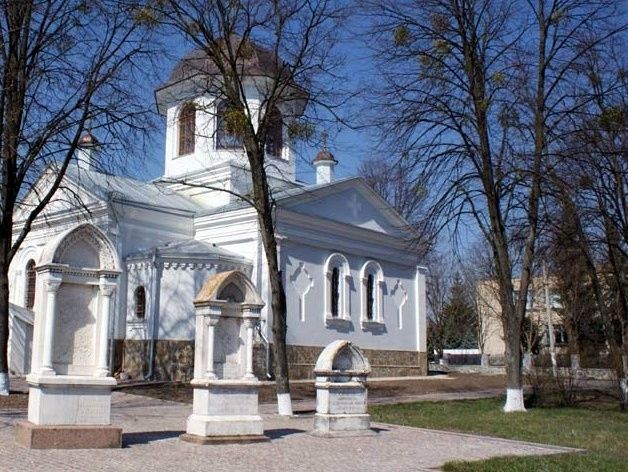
x,y
514,380
278,302
4,327
279,326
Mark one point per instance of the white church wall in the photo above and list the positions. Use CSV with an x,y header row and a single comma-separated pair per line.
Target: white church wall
x,y
308,327
20,346
142,229
235,231
179,286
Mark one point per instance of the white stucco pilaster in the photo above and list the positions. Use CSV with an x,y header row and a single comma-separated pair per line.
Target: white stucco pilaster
x,y
420,308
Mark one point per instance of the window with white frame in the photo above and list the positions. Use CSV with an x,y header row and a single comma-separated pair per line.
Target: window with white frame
x,y
337,275
372,295
139,297
31,282
187,129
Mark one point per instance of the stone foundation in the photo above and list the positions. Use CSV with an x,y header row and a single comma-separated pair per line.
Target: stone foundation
x,y
135,358
35,436
174,360
301,360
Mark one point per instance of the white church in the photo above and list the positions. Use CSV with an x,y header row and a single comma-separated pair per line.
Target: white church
x,y
347,265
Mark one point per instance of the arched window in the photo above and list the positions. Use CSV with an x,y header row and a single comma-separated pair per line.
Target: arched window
x,y
372,278
187,129
140,302
337,290
226,136
370,297
31,280
274,133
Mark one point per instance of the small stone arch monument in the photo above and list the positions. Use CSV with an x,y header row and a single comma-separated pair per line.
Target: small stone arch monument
x,y
341,394
225,405
69,384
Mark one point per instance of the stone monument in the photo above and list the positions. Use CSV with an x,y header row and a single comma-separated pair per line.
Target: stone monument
x,y
341,394
225,405
69,403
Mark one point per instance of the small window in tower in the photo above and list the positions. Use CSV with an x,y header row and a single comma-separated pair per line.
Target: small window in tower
x,y
31,280
335,291
140,303
227,136
274,133
187,129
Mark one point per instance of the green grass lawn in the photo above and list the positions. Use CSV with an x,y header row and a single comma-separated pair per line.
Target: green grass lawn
x,y
600,429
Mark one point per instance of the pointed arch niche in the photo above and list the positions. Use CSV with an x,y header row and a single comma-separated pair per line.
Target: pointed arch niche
x,y
79,270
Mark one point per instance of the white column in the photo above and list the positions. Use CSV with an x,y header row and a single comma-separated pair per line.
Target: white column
x,y
106,294
52,287
249,324
209,344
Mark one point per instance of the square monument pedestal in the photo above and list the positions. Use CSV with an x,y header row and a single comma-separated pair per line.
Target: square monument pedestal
x,y
225,411
69,412
341,410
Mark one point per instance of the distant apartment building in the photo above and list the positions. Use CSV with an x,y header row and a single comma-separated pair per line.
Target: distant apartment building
x,y
543,316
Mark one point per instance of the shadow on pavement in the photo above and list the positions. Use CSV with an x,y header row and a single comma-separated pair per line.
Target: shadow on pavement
x,y
281,432
145,437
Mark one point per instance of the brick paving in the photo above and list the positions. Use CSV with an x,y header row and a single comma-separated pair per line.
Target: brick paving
x,y
151,429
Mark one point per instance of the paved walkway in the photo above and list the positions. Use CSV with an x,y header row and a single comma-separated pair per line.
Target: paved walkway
x,y
151,429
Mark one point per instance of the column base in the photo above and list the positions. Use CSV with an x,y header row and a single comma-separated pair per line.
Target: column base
x,y
35,436
342,425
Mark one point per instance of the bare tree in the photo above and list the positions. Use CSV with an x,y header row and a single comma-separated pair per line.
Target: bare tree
x,y
474,89
66,66
280,50
591,180
438,286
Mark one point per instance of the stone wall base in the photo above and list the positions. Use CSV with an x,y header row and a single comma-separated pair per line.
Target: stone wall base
x,y
174,360
35,436
384,363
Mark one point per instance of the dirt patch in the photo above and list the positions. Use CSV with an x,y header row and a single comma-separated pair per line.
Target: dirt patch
x,y
182,392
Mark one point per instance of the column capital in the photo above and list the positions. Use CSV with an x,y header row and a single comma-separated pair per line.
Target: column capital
x,y
211,320
250,322
53,284
106,290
